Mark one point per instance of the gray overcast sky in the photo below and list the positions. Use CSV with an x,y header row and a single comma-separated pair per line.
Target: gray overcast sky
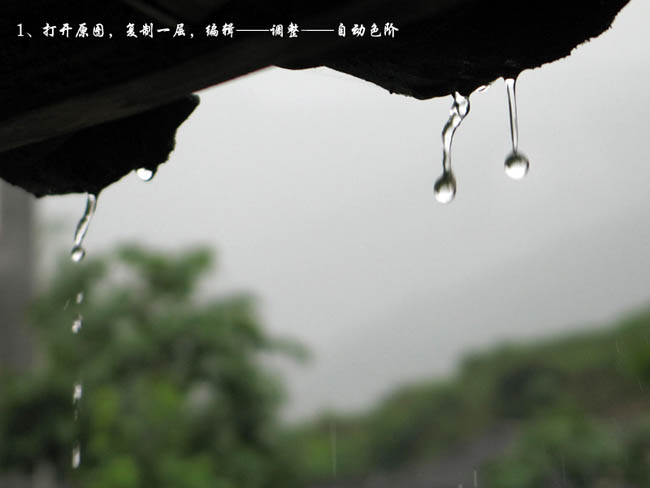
x,y
315,189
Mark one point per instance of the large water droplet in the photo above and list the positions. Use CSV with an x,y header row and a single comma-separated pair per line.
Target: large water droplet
x,y
517,166
77,324
76,456
80,298
78,252
445,188
146,174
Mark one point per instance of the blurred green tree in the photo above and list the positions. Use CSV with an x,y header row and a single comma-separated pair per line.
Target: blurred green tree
x,y
176,390
561,450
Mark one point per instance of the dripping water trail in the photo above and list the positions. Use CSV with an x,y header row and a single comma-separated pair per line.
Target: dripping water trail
x,y
516,164
445,188
78,251
77,388
77,254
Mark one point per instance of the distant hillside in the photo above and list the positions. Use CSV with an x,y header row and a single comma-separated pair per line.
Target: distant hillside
x,y
579,404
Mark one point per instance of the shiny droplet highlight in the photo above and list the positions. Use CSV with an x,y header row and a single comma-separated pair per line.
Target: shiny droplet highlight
x,y
517,166
145,174
445,188
77,324
77,393
76,456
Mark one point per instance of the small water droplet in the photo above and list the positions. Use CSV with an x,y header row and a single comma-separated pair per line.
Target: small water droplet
x,y
77,393
78,252
517,166
76,456
445,188
146,174
80,298
77,324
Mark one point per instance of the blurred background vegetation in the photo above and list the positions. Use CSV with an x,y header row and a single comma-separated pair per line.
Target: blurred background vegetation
x,y
179,392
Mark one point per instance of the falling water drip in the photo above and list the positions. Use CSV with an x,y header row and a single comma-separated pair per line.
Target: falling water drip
x,y
516,164
78,251
77,255
77,393
77,324
146,174
445,188
76,456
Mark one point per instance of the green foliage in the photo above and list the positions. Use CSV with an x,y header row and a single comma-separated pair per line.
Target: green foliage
x,y
541,387
175,390
573,451
176,395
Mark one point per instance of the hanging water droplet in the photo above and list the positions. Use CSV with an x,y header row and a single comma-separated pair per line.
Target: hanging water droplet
x,y
77,254
77,324
444,189
76,456
80,298
516,165
78,251
77,393
146,174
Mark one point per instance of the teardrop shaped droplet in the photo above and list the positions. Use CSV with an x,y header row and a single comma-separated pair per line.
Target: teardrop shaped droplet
x,y
78,252
146,174
79,298
76,456
77,324
445,188
516,164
